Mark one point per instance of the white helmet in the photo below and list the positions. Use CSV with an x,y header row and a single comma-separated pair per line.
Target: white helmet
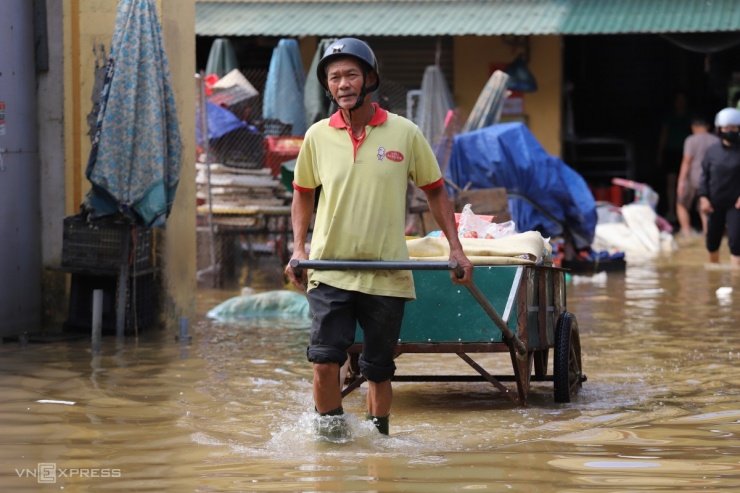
x,y
727,116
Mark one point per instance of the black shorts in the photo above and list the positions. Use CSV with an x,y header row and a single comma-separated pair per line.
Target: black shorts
x,y
335,314
721,220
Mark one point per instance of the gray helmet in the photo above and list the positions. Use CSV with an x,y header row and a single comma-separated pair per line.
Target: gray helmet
x,y
727,116
348,47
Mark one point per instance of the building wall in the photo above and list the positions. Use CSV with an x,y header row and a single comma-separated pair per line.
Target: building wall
x,y
475,56
88,29
20,291
178,28
52,164
86,32
544,107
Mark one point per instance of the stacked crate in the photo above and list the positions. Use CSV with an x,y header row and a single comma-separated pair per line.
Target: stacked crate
x,y
108,254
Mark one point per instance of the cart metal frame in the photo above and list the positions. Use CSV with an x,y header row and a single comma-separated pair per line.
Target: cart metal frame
x,y
535,319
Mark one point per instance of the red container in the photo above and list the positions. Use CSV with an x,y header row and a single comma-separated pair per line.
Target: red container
x,y
615,195
601,194
280,148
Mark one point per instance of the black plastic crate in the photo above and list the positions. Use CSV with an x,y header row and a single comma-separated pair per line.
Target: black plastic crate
x,y
141,303
276,127
99,245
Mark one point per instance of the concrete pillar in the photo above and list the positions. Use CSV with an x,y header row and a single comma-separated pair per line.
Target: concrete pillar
x,y
20,251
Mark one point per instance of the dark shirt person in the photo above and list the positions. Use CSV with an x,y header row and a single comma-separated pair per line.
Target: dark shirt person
x,y
719,188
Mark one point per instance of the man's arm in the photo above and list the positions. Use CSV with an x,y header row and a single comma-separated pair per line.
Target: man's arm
x,y
441,209
301,211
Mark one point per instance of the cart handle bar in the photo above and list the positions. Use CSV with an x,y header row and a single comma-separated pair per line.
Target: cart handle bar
x,y
297,265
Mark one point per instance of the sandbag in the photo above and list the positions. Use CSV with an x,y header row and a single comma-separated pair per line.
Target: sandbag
x,y
269,304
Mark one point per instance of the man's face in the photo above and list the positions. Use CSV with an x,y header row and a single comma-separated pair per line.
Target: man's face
x,y
344,78
729,128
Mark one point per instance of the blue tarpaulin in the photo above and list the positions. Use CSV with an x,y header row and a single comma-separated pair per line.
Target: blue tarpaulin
x,y
285,86
134,164
554,199
220,121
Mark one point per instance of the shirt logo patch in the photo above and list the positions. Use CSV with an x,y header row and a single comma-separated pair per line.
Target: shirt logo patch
x,y
394,156
381,153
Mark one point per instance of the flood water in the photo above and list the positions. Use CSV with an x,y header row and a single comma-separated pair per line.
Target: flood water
x,y
232,411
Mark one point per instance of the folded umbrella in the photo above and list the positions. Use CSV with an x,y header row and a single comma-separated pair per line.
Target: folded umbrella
x,y
284,87
134,164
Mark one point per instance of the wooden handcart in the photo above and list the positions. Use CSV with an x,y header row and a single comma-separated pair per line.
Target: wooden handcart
x,y
446,318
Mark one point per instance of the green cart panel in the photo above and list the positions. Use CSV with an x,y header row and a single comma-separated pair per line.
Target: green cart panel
x,y
445,312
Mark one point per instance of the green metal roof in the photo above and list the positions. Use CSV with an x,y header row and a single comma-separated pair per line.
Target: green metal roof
x,y
462,17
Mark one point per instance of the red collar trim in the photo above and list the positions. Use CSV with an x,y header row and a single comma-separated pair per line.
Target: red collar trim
x,y
380,117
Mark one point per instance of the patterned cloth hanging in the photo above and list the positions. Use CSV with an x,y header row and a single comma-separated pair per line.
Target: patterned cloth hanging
x,y
134,164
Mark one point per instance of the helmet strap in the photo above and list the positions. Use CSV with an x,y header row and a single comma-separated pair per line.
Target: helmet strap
x,y
363,92
360,99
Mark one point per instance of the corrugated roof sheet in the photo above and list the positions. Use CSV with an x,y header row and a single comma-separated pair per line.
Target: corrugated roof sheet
x,y
462,17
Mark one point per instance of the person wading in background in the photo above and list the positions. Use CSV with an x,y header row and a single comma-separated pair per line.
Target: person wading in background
x,y
719,189
694,148
362,157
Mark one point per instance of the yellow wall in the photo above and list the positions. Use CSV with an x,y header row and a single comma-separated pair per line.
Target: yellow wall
x,y
545,106
178,28
473,57
307,46
88,31
88,26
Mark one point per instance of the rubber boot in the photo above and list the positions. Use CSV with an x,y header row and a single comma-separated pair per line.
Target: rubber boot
x,y
381,423
332,426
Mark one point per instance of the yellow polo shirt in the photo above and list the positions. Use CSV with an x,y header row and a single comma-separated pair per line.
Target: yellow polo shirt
x,y
361,212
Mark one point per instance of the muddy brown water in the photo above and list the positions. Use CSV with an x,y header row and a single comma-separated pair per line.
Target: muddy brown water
x,y
232,412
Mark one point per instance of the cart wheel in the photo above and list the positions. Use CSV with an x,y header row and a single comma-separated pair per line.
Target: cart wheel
x,y
567,358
